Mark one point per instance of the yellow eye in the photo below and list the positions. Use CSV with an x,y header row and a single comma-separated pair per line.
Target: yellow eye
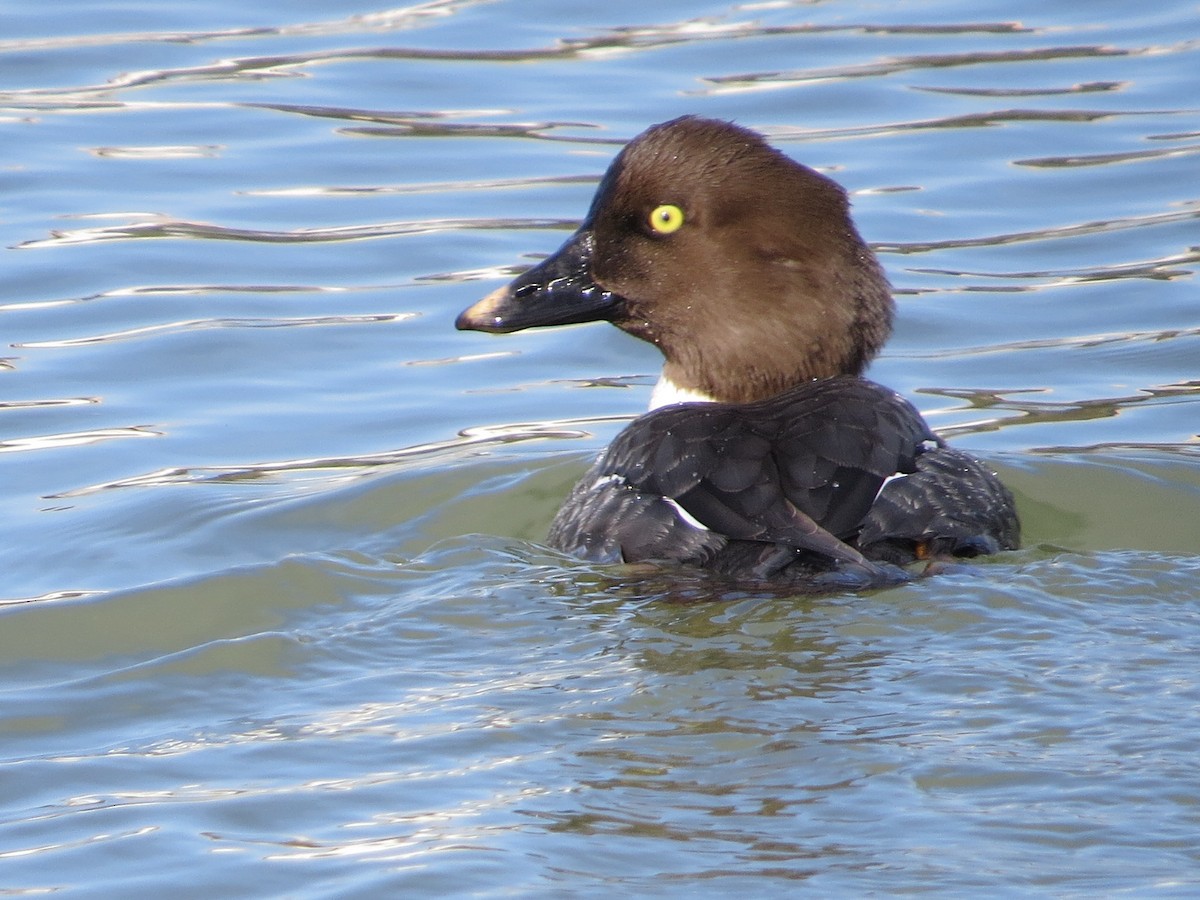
x,y
666,219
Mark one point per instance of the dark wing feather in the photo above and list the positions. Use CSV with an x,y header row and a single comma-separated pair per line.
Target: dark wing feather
x,y
953,505
800,469
606,519
838,455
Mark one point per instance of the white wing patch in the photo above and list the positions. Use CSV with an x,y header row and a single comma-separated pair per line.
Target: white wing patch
x,y
615,480
890,478
686,516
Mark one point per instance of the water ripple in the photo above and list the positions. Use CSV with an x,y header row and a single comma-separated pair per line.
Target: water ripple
x,y
430,187
1038,412
985,119
1165,268
75,844
1089,87
163,151
794,77
47,402
351,467
266,639
1188,209
170,228
198,324
1105,159
607,42
1087,341
405,17
75,438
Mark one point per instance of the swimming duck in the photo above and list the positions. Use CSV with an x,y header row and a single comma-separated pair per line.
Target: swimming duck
x,y
766,454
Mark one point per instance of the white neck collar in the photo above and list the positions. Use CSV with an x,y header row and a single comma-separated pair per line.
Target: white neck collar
x,y
667,392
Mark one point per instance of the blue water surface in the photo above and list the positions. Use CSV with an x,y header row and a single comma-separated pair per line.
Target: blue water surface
x,y
276,617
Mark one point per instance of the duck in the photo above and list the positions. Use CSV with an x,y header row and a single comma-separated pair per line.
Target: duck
x,y
766,455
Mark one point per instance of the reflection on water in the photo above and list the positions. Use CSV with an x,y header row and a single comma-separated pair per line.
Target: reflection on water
x,y
149,330
203,231
1190,210
904,64
1168,267
470,439
1105,159
436,187
1038,412
312,620
70,439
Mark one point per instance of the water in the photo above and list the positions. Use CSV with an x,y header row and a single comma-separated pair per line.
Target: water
x,y
275,619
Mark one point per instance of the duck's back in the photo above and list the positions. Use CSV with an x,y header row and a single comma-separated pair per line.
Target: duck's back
x,y
800,471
